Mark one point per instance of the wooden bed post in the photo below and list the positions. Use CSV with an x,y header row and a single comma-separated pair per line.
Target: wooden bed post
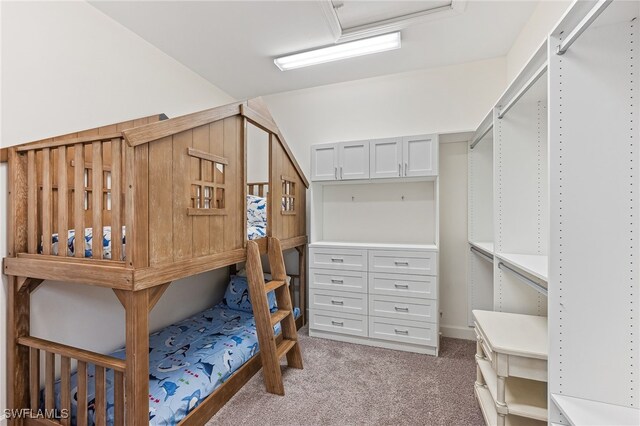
x,y
17,355
302,272
18,315
137,358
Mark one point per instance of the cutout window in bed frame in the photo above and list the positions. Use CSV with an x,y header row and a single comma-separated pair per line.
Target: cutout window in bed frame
x,y
207,191
88,189
288,196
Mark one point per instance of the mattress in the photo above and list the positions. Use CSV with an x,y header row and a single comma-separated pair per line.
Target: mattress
x,y
88,243
256,228
187,362
255,232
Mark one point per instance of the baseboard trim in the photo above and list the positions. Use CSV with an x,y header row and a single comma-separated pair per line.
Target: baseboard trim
x,y
458,332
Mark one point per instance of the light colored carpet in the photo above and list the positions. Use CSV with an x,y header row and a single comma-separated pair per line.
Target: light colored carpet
x,y
346,384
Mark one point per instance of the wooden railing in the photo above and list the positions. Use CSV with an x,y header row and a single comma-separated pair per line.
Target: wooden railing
x,y
73,185
53,351
259,189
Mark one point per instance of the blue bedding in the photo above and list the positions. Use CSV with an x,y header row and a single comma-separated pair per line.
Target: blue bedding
x,y
187,362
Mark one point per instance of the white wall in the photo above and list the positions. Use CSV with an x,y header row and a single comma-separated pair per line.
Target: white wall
x,y
257,154
68,67
454,247
543,19
446,99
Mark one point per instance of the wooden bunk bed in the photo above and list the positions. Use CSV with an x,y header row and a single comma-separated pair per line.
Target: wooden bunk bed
x,y
172,195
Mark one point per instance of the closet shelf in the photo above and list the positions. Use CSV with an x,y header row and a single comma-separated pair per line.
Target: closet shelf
x,y
391,246
483,245
536,265
515,334
526,398
581,412
490,414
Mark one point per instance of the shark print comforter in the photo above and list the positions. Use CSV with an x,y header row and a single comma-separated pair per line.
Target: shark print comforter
x,y
187,362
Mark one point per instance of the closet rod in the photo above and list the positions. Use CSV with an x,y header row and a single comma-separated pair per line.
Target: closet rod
x,y
582,26
528,281
522,91
482,254
477,140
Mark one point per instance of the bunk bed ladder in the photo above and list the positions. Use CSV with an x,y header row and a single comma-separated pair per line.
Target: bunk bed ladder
x,y
270,351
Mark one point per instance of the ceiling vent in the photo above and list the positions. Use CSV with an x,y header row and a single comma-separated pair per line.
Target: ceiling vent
x,y
350,20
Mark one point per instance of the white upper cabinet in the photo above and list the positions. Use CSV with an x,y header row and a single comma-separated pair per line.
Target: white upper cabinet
x,y
386,158
420,155
409,156
353,158
324,162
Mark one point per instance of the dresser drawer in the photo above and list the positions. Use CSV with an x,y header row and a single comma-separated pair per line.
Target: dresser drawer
x,y
338,259
336,322
327,279
423,310
424,287
338,301
403,331
403,262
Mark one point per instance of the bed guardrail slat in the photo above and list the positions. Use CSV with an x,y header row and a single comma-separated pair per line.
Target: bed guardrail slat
x,y
49,380
34,378
116,187
78,203
118,398
32,203
65,389
81,412
46,201
101,398
96,201
63,203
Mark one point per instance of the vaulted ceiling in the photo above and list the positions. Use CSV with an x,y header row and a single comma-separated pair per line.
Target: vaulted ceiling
x,y
233,43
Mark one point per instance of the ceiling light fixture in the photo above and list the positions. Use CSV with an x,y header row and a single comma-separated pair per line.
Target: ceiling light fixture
x,y
340,51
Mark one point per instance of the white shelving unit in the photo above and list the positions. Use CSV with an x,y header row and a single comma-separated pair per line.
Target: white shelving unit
x,y
533,264
593,277
584,412
511,362
508,240
373,255
480,219
521,192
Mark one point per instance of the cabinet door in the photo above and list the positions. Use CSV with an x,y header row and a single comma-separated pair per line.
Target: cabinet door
x,y
324,162
420,155
354,160
386,158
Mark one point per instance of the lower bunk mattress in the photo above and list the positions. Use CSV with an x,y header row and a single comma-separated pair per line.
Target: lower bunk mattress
x,y
187,362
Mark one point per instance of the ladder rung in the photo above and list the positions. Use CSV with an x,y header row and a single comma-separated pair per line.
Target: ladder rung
x,y
278,316
272,285
285,346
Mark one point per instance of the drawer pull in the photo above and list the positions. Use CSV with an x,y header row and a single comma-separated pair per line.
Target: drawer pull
x,y
403,332
401,308
400,263
337,323
337,302
337,259
398,285
335,281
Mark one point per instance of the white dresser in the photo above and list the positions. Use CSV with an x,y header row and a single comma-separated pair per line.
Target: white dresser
x,y
375,294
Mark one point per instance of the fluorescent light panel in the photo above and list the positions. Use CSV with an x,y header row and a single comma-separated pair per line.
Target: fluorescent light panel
x,y
346,50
